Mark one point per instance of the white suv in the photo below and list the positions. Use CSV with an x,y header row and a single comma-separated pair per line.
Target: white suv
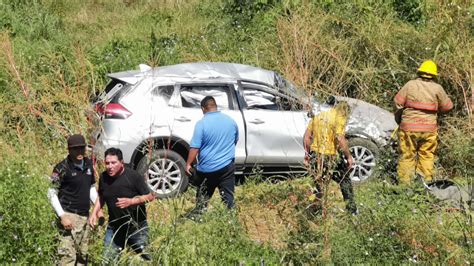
x,y
150,115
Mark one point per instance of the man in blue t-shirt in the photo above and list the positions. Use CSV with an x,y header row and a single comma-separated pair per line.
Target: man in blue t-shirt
x,y
213,142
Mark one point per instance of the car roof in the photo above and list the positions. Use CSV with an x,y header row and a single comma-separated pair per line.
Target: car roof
x,y
199,71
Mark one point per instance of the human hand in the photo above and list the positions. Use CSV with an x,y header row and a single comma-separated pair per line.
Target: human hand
x,y
101,219
123,203
66,222
188,169
306,160
93,220
350,162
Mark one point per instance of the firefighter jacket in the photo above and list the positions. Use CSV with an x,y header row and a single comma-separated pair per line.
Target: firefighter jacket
x,y
421,100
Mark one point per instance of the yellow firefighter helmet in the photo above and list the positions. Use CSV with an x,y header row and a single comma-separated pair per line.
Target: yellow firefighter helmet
x,y
428,69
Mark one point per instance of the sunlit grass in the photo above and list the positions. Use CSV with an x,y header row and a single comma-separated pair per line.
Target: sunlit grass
x,y
54,58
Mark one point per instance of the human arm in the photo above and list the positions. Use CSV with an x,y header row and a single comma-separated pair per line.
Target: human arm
x,y
55,179
93,194
97,211
54,200
193,152
137,200
401,97
236,133
93,197
98,204
341,139
141,191
343,145
195,145
141,195
400,100
307,143
445,104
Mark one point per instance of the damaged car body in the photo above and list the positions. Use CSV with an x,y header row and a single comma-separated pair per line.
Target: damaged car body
x,y
150,115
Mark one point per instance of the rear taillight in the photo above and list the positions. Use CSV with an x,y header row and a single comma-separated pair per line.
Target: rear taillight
x,y
112,111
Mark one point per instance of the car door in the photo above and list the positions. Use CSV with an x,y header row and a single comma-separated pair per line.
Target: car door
x,y
275,126
188,111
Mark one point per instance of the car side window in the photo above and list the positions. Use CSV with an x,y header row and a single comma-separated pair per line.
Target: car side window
x,y
163,93
191,96
258,99
289,104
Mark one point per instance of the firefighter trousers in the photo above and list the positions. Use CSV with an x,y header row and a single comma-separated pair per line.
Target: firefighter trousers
x,y
417,154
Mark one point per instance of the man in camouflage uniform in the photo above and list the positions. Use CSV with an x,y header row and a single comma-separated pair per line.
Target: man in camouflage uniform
x,y
73,186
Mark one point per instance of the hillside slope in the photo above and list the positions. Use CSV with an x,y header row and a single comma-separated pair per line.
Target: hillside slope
x,y
54,58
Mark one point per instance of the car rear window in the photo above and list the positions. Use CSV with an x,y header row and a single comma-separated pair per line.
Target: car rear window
x,y
116,92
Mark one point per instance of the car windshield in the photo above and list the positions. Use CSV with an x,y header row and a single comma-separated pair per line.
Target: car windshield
x,y
288,88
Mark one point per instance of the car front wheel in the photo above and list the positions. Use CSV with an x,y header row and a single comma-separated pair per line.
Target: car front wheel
x,y
365,154
165,173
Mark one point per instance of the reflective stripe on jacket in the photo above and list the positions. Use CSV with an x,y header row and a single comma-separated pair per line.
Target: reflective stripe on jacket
x,y
421,101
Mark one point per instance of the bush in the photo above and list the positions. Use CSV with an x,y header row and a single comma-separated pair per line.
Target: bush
x,y
26,218
398,225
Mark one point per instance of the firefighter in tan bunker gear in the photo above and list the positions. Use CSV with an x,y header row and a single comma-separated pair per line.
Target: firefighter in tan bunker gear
x,y
419,102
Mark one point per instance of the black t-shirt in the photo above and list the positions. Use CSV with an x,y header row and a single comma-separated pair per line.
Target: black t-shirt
x,y
73,184
129,184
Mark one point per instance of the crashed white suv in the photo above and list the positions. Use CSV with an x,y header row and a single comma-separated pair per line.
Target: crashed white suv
x,y
150,115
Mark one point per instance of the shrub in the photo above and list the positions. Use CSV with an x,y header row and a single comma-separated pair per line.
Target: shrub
x,y
26,218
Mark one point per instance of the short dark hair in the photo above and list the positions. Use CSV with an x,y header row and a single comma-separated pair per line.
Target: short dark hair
x,y
331,100
425,75
208,100
114,152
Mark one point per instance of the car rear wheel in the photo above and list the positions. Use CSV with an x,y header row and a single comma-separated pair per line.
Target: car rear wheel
x,y
365,154
165,173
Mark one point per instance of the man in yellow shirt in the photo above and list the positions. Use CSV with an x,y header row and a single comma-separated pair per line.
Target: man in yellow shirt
x,y
326,148
418,103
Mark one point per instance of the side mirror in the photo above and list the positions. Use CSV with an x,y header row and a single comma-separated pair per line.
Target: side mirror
x,y
310,114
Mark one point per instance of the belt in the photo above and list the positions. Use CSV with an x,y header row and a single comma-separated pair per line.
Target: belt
x,y
85,214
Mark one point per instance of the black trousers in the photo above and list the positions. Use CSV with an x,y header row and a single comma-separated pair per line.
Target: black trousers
x,y
332,167
224,179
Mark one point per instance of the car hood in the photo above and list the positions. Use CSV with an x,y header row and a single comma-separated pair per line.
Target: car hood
x,y
366,120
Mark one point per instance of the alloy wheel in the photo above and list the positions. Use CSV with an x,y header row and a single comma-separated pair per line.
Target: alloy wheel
x,y
364,163
164,176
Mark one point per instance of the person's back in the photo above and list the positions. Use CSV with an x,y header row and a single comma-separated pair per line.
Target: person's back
x,y
326,126
214,139
421,100
217,142
327,151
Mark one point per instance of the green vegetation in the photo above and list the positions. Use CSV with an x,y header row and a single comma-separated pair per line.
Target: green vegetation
x,y
53,59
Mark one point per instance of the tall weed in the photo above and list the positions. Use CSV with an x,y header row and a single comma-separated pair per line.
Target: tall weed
x,y
26,218
54,58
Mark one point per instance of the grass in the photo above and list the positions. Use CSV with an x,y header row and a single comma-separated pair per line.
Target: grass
x,y
270,224
54,57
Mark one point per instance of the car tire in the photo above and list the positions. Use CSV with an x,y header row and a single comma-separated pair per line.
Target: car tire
x,y
165,173
365,155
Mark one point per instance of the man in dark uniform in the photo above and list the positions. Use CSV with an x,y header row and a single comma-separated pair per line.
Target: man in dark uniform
x,y
125,192
73,186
